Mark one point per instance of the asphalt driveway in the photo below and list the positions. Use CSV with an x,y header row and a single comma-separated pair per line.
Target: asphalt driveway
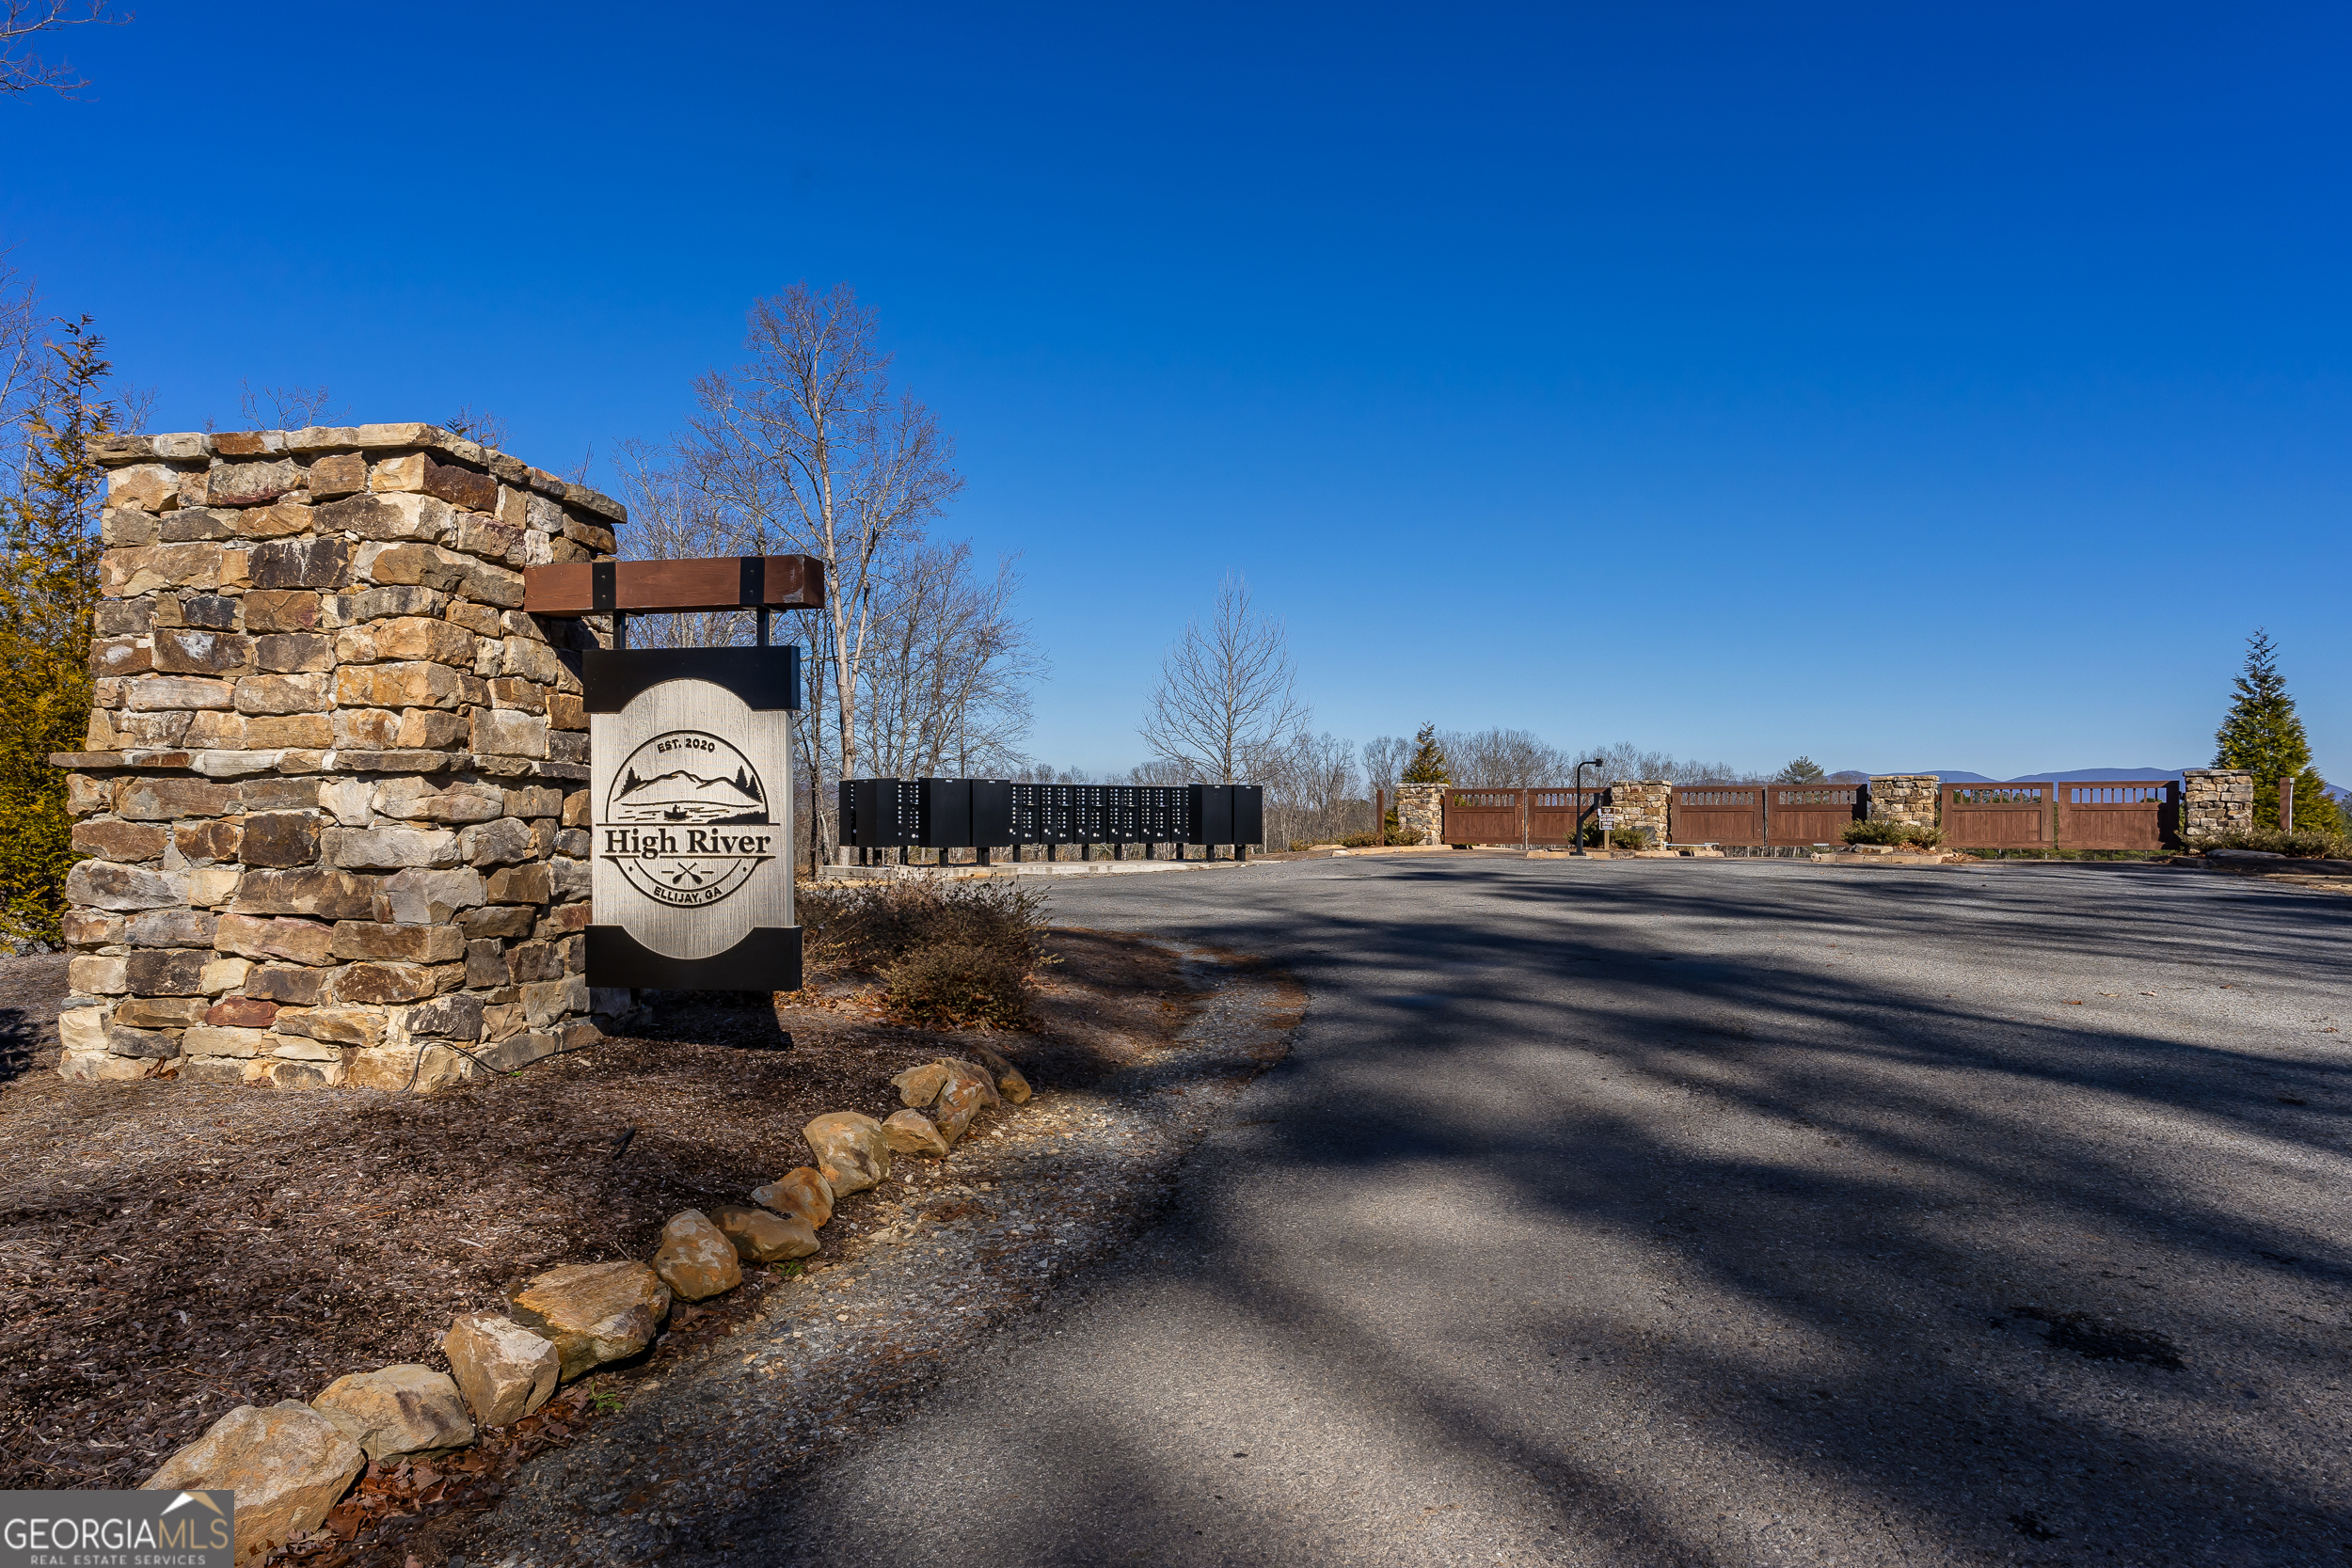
x,y
1670,1213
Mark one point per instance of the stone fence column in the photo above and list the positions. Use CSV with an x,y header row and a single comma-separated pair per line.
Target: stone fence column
x,y
1420,812
1910,799
2216,801
1644,803
333,791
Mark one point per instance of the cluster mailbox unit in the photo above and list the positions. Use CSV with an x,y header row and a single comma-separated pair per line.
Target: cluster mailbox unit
x,y
981,813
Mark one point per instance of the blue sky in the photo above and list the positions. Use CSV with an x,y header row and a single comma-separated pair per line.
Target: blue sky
x,y
1957,386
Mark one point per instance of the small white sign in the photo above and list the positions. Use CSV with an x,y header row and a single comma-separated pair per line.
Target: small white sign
x,y
1608,818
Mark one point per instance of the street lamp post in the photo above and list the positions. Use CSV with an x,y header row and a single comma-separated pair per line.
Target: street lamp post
x,y
1579,802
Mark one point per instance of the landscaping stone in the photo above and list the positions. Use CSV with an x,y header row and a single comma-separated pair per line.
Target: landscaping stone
x,y
504,1370
919,1086
695,1259
801,1193
762,1237
850,1150
287,1463
593,1312
912,1132
957,1091
406,1409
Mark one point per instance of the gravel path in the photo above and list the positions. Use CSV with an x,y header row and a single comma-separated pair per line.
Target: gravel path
x,y
944,1282
1655,1212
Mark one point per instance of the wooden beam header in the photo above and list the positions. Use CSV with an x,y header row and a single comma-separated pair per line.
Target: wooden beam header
x,y
721,582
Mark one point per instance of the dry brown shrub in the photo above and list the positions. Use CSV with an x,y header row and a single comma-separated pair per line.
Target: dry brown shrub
x,y
960,987
956,955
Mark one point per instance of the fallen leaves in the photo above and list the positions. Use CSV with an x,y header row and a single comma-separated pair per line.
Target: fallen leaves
x,y
465,1482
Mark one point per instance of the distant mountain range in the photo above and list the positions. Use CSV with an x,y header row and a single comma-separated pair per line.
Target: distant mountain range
x,y
1961,775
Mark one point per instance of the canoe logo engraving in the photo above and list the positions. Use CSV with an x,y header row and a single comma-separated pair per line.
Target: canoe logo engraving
x,y
686,821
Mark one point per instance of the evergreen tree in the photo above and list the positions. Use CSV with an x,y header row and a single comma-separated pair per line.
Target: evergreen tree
x,y
1428,765
49,551
2264,734
1803,770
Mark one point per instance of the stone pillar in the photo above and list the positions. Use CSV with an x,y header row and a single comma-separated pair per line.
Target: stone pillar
x,y
1910,799
1420,812
2216,801
1644,803
334,791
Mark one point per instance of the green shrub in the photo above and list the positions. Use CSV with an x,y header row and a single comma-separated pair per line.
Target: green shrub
x,y
958,986
1924,838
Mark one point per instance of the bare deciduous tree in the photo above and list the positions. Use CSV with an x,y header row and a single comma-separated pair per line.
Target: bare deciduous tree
x,y
478,425
807,446
21,71
1625,760
1314,791
288,409
1384,763
947,669
673,516
1503,759
20,348
1228,698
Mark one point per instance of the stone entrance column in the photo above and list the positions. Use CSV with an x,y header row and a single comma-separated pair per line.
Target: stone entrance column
x,y
333,791
2216,801
1420,812
1909,799
1644,803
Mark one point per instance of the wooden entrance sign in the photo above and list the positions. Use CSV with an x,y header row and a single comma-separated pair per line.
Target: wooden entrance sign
x,y
722,582
689,764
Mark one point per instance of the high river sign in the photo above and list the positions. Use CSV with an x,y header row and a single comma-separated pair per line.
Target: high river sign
x,y
691,817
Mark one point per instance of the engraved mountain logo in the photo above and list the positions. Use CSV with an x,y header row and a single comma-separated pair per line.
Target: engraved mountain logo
x,y
686,819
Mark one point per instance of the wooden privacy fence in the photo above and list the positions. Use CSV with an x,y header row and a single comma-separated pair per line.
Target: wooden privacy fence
x,y
1752,815
1720,814
2083,813
1803,815
1530,817
2075,813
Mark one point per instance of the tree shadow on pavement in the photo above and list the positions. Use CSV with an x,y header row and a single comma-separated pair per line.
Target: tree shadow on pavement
x,y
1727,1215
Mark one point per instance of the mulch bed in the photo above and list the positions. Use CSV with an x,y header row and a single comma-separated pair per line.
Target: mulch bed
x,y
171,1251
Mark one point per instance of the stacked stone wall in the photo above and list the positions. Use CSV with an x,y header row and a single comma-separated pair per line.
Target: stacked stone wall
x,y
2216,801
333,791
1643,803
1910,799
1420,812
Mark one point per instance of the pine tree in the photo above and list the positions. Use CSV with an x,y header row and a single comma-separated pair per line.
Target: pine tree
x,y
49,551
1428,765
2264,734
1803,770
